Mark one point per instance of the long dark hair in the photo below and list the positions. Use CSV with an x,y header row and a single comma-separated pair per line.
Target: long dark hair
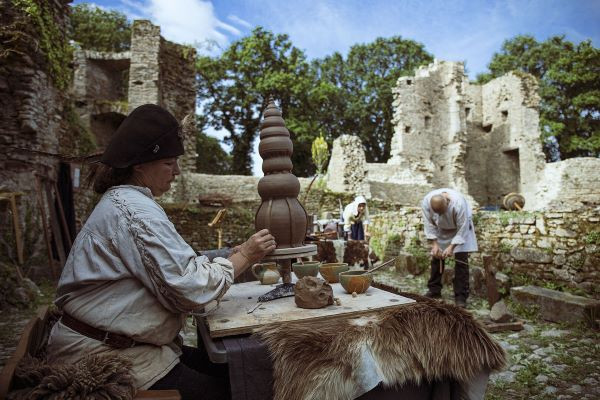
x,y
102,177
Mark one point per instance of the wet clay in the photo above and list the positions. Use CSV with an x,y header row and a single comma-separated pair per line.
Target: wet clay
x,y
311,292
280,211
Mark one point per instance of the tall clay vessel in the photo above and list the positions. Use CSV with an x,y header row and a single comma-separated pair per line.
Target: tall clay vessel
x,y
280,211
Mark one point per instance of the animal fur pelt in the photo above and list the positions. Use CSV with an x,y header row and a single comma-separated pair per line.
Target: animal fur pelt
x,y
95,377
426,340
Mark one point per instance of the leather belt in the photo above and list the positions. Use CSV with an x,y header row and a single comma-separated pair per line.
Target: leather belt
x,y
108,338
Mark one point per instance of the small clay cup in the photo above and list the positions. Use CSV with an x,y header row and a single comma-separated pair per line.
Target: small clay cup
x,y
331,271
309,268
356,281
266,273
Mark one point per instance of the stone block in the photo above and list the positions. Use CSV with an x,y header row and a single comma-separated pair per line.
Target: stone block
x,y
557,306
407,263
500,313
530,255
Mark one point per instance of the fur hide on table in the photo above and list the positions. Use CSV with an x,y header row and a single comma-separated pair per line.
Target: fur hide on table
x,y
95,377
423,341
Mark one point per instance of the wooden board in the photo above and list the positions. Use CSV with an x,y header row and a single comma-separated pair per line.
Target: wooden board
x,y
232,318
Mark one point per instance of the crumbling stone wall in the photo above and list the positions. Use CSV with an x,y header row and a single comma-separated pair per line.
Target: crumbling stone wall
x,y
482,140
346,171
107,86
559,248
32,105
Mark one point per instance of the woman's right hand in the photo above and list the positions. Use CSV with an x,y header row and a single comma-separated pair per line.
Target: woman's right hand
x,y
258,246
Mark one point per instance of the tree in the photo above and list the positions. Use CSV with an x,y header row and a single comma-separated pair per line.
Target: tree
x,y
96,29
358,90
212,158
569,79
234,89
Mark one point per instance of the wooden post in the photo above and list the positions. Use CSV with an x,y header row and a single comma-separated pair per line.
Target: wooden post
x,y
490,281
40,199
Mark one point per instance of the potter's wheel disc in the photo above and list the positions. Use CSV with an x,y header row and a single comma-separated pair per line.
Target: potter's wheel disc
x,y
292,252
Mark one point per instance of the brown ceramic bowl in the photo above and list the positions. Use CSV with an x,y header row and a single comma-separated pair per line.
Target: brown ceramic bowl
x,y
308,268
331,271
356,281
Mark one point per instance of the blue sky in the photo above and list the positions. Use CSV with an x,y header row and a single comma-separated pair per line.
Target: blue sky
x,y
458,30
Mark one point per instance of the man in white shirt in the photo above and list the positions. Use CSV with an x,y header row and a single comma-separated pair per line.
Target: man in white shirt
x,y
448,223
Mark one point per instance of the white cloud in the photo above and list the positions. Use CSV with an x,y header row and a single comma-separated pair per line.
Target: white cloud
x,y
183,21
239,21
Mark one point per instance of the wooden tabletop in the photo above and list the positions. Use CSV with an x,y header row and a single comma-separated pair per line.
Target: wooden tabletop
x,y
232,318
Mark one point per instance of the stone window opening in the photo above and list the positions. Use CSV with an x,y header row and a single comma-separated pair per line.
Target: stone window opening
x,y
407,129
467,112
427,121
488,128
408,82
504,115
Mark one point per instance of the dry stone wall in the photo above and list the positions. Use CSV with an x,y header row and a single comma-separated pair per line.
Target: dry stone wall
x,y
559,248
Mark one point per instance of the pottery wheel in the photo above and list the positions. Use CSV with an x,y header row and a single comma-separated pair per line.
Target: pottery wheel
x,y
291,253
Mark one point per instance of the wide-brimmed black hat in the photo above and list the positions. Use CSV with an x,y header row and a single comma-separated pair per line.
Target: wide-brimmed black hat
x,y
148,133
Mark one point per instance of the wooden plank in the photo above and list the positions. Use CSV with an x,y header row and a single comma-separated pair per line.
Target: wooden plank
x,y
28,339
40,200
17,227
158,395
504,326
490,281
54,224
232,318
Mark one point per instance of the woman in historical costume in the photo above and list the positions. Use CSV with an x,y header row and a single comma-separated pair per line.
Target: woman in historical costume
x,y
130,279
356,219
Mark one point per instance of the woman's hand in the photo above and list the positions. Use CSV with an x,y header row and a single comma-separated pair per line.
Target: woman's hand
x,y
258,246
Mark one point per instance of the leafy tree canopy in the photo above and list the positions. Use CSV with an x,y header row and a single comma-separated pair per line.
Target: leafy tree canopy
x,y
360,90
234,89
569,77
96,29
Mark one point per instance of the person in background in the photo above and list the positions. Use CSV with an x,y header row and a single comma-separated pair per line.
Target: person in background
x,y
448,224
356,219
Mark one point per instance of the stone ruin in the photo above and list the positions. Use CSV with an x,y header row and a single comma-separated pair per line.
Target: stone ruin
x,y
483,140
108,86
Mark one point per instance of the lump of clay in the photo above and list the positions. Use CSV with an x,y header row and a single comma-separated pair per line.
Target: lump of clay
x,y
311,292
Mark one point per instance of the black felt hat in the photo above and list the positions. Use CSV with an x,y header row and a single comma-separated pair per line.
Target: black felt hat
x,y
148,133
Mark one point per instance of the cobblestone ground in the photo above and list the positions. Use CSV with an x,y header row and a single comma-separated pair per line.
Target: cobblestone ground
x,y
546,361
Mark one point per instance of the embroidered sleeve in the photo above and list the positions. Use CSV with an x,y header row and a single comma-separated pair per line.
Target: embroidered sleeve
x,y
431,230
156,254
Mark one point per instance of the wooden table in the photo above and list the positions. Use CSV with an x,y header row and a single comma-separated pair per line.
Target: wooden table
x,y
232,318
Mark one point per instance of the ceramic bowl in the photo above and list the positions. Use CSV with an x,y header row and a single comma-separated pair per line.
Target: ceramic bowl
x,y
331,271
308,268
356,281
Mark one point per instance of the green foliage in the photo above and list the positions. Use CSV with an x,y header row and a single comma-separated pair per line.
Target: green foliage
x,y
320,153
235,88
505,248
357,91
530,312
97,29
52,40
592,238
569,87
212,159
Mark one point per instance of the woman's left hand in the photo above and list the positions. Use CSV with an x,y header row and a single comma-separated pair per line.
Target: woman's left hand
x,y
258,246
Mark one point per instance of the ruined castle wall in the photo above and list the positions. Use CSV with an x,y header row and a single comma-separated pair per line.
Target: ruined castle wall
x,y
510,115
346,172
32,107
178,91
144,71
